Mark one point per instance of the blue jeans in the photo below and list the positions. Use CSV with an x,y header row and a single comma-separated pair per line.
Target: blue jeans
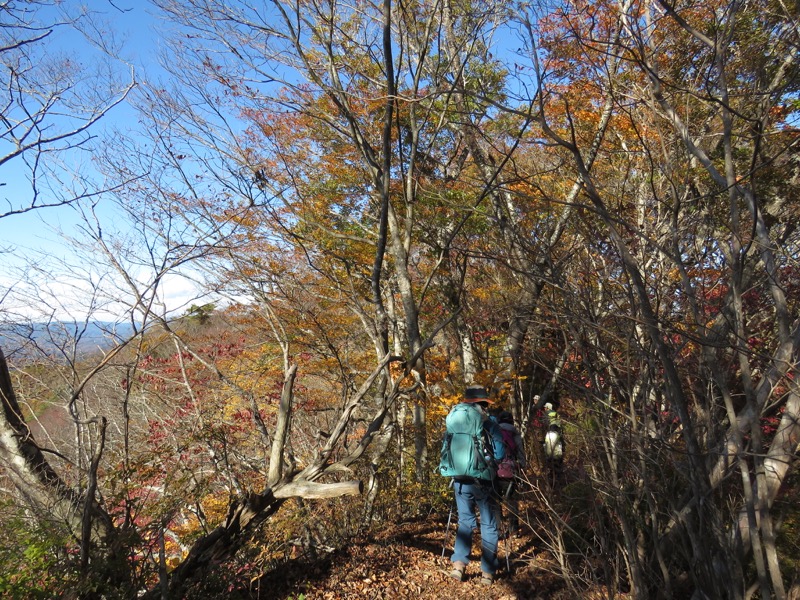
x,y
469,495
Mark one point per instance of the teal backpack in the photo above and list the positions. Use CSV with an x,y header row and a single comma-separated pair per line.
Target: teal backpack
x,y
464,449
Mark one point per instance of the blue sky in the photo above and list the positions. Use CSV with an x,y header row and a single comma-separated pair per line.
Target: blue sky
x,y
136,30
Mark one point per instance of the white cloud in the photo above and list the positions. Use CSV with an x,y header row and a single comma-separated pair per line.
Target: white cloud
x,y
66,297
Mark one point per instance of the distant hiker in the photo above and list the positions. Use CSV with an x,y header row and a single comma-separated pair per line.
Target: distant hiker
x,y
551,416
508,471
553,444
473,445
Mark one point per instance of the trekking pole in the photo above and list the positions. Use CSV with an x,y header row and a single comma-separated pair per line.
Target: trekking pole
x,y
447,530
504,502
508,560
449,519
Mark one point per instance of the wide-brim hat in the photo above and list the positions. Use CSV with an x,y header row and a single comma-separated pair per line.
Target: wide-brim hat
x,y
476,393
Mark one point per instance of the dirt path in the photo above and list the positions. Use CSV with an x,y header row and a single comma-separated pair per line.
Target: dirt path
x,y
405,561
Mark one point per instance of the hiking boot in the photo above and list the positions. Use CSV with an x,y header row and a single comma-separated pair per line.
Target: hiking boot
x,y
458,571
487,579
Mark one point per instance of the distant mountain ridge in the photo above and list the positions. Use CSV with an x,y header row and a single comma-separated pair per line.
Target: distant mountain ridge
x,y
32,338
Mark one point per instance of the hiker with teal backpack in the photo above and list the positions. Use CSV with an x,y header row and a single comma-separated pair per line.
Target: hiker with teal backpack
x,y
472,447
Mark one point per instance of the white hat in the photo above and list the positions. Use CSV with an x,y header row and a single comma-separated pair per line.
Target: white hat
x,y
548,406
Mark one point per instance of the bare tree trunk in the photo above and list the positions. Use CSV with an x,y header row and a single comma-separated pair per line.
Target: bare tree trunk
x,y
89,499
281,428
